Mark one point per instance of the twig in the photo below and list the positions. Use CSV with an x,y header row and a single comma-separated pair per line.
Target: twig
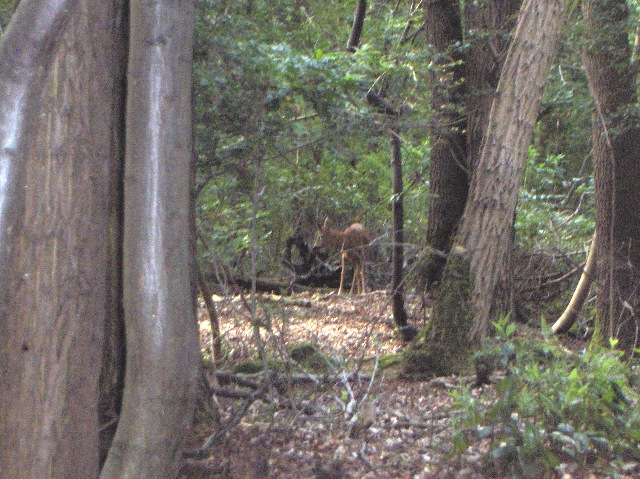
x,y
204,451
363,458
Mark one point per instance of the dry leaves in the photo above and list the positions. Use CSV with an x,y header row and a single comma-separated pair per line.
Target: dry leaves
x,y
386,428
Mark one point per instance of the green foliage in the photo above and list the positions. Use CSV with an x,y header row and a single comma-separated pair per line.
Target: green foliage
x,y
555,210
6,10
564,123
553,406
283,126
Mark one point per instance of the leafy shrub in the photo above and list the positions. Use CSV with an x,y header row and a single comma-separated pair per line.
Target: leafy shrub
x,y
553,406
555,209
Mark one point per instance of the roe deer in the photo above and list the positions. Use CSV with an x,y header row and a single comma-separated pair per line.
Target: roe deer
x,y
353,243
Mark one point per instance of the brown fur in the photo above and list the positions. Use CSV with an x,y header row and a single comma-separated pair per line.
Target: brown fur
x,y
353,243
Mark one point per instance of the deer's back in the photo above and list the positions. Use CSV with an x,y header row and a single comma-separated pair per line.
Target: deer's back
x,y
356,235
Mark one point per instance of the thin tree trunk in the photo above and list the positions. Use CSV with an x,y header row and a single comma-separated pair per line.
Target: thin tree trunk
x,y
397,280
216,351
358,23
162,338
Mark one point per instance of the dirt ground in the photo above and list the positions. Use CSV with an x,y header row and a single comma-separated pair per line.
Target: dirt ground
x,y
372,426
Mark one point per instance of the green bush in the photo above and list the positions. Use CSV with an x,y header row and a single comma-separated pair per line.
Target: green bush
x,y
553,406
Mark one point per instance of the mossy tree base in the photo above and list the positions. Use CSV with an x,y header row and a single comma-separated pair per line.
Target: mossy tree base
x,y
443,346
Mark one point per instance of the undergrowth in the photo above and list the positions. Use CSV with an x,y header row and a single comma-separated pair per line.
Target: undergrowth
x,y
553,407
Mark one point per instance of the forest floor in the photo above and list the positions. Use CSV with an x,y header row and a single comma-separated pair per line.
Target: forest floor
x,y
400,429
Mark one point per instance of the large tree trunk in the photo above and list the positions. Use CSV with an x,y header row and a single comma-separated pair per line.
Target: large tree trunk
x,y
161,330
464,85
55,169
449,172
616,152
484,242
476,278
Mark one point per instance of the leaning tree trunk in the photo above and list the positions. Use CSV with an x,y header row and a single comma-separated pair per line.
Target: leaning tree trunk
x,y
162,338
484,242
55,171
570,314
448,170
476,278
616,153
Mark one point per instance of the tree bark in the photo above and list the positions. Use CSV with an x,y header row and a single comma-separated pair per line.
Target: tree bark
x,y
358,23
112,58
25,54
162,337
397,260
55,171
483,245
448,170
486,234
464,85
491,23
616,153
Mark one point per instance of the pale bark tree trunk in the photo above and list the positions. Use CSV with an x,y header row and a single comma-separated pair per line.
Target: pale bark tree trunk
x,y
486,233
474,289
616,152
162,356
570,314
55,170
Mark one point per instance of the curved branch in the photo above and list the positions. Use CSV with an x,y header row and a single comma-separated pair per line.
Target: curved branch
x,y
566,320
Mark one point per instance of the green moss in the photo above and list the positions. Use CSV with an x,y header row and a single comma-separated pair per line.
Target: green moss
x,y
390,360
249,367
309,356
443,346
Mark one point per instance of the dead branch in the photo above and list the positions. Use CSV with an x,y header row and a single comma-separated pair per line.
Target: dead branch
x,y
251,380
568,317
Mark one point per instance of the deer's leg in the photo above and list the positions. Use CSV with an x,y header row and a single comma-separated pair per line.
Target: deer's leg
x,y
354,280
344,257
364,276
